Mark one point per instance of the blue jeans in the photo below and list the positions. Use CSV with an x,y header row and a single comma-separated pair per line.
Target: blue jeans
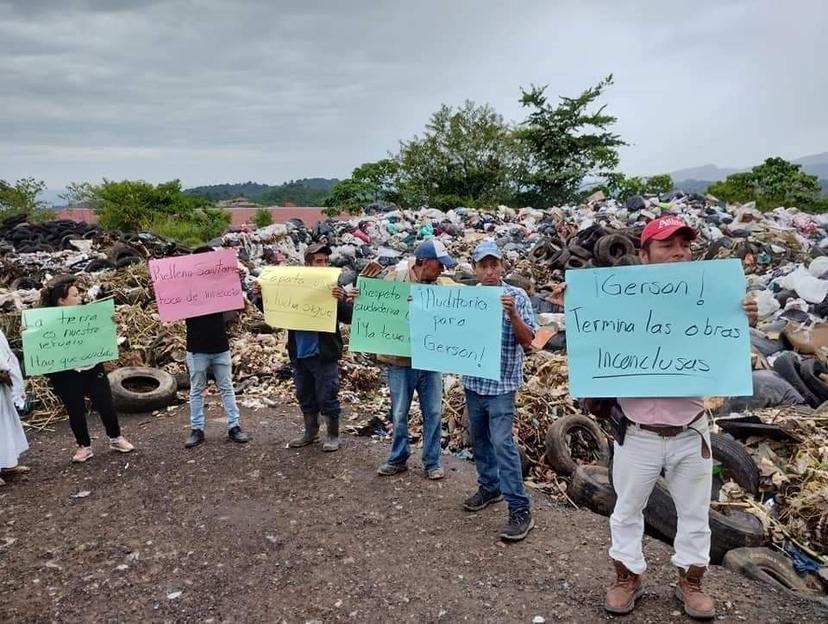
x,y
403,381
198,364
491,419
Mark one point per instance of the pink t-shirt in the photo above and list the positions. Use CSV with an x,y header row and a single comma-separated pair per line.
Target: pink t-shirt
x,y
677,411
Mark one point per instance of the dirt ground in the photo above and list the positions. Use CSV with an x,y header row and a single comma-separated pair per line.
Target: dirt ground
x,y
260,533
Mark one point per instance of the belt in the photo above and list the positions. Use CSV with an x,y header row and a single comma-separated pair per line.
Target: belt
x,y
671,431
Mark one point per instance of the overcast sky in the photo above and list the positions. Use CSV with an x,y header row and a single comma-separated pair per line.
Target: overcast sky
x,y
213,91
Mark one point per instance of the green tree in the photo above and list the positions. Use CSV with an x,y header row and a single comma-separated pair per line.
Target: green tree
x,y
466,156
370,182
621,187
263,218
21,198
776,182
564,144
137,205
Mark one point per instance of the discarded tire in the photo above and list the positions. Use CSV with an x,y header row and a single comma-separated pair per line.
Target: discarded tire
x,y
768,566
98,264
787,365
141,389
590,487
121,250
628,260
737,463
559,439
809,371
612,247
728,531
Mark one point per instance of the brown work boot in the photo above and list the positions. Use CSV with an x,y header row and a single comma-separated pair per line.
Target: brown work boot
x,y
622,594
697,604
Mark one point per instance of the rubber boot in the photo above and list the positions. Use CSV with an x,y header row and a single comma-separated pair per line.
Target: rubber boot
x,y
697,604
332,439
622,594
311,431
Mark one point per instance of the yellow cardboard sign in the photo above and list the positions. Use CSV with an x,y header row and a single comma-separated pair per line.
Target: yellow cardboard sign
x,y
296,297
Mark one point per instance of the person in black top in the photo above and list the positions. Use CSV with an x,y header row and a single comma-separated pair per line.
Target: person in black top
x,y
209,348
315,358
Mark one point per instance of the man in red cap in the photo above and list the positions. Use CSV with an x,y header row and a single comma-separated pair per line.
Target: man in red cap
x,y
667,434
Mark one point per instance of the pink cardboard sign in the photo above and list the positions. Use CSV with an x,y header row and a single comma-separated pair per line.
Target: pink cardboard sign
x,y
188,286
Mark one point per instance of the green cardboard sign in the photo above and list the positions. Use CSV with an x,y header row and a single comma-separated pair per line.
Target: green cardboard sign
x,y
380,321
68,337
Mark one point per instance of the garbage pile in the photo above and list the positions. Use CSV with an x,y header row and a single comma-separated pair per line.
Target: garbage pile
x,y
783,253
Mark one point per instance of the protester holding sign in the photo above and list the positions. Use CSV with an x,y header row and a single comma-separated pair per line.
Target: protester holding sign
x,y
12,395
74,385
655,435
491,404
430,258
315,358
208,349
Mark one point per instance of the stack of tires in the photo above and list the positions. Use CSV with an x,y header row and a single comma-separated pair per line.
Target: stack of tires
x,y
49,236
593,247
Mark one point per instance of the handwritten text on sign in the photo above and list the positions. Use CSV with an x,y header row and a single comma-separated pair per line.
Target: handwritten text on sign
x,y
299,297
67,337
380,322
664,330
188,286
456,330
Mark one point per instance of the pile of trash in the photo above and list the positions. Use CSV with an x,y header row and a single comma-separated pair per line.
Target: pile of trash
x,y
783,253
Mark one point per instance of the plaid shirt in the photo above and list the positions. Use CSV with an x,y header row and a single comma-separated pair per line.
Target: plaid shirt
x,y
511,354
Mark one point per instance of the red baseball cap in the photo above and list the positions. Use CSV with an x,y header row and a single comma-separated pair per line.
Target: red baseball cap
x,y
664,227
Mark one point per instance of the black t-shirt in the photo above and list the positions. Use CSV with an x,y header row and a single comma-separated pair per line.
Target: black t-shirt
x,y
207,334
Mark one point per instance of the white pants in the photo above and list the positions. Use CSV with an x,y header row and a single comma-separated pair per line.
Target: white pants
x,y
636,467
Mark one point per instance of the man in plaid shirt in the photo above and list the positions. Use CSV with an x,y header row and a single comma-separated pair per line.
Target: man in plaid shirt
x,y
491,404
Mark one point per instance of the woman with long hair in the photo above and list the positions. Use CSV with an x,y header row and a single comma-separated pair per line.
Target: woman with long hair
x,y
73,386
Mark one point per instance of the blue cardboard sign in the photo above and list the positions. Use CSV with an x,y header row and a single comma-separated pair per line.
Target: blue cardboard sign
x,y
456,330
662,330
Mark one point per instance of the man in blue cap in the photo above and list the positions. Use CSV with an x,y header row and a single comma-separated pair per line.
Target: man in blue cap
x,y
430,258
491,404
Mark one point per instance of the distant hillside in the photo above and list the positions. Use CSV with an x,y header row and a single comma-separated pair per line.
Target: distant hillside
x,y
304,192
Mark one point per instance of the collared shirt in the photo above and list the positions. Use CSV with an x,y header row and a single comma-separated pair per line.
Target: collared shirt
x,y
670,411
511,352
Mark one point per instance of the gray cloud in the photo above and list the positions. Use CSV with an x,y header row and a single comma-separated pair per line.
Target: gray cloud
x,y
222,90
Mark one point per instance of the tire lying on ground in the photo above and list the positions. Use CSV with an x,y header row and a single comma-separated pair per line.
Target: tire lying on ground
x,y
98,264
121,250
142,389
809,371
611,247
787,365
768,566
736,461
728,531
590,487
559,438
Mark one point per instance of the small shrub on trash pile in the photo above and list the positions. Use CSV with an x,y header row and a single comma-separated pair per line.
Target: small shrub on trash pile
x,y
263,217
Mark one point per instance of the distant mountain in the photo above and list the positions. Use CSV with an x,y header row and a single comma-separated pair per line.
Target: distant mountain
x,y
304,192
697,179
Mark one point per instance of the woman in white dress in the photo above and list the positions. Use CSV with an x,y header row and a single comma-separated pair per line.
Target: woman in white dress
x,y
12,439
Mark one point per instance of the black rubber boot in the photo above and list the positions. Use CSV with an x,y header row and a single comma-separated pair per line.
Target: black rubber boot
x,y
311,431
332,439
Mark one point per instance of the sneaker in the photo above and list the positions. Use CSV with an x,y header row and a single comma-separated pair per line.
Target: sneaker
x,y
195,438
237,435
481,499
518,526
121,445
435,474
387,470
82,454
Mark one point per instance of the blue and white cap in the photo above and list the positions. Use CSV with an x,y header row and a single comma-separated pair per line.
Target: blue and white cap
x,y
435,250
486,248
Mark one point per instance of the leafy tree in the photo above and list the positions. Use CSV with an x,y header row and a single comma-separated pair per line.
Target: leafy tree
x,y
776,182
370,182
564,144
21,198
622,187
263,218
466,156
136,205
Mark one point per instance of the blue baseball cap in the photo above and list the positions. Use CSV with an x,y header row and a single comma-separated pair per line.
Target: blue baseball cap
x,y
486,248
434,250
